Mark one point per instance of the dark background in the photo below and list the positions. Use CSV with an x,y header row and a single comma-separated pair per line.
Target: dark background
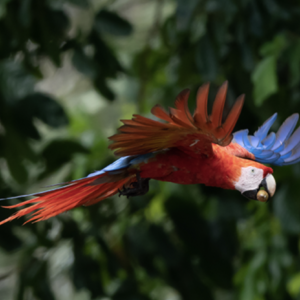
x,y
69,70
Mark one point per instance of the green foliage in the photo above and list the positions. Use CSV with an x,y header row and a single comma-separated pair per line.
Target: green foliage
x,y
264,75
111,23
264,79
69,70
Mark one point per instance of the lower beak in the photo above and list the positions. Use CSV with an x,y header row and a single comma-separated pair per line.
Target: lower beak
x,y
251,194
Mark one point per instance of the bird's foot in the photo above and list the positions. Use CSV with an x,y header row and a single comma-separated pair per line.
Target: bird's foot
x,y
137,188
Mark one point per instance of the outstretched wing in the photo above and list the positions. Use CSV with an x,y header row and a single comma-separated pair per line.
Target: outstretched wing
x,y
195,133
282,148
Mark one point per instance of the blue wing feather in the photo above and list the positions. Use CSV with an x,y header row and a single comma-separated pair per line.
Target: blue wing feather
x,y
123,163
238,136
282,148
254,141
285,130
262,131
269,141
292,141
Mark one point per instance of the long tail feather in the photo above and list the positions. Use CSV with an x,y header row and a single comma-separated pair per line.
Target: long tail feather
x,y
86,191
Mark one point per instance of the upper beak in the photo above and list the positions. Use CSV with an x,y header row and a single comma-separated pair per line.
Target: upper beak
x,y
269,185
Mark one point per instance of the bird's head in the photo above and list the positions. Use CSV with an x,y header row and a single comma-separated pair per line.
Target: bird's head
x,y
256,182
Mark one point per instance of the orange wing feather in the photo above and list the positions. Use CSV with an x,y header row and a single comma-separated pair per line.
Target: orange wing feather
x,y
195,133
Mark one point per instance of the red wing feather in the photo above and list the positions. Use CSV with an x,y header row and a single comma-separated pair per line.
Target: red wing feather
x,y
217,110
182,111
189,133
160,113
200,114
233,116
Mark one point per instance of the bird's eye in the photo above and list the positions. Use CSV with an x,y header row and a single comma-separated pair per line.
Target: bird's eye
x,y
252,170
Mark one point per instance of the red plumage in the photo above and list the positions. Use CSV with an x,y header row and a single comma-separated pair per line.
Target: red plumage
x,y
185,149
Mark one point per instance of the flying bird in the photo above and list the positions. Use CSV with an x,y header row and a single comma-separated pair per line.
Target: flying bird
x,y
184,149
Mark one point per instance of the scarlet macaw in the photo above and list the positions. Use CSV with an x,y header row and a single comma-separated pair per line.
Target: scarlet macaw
x,y
184,149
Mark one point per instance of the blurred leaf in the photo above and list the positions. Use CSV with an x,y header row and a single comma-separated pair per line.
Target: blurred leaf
x,y
184,12
9,241
3,7
127,291
105,57
287,208
12,75
107,65
104,89
198,28
151,60
83,63
86,271
142,246
34,274
294,285
111,23
274,47
80,3
59,22
49,31
39,106
169,35
16,151
189,224
16,167
196,232
25,13
59,152
264,78
206,59
293,58
255,19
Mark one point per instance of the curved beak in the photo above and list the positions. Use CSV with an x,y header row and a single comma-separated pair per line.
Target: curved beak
x,y
268,184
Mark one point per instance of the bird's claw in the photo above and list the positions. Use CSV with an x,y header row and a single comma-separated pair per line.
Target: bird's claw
x,y
137,188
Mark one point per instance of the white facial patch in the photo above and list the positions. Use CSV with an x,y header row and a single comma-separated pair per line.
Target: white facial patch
x,y
250,179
